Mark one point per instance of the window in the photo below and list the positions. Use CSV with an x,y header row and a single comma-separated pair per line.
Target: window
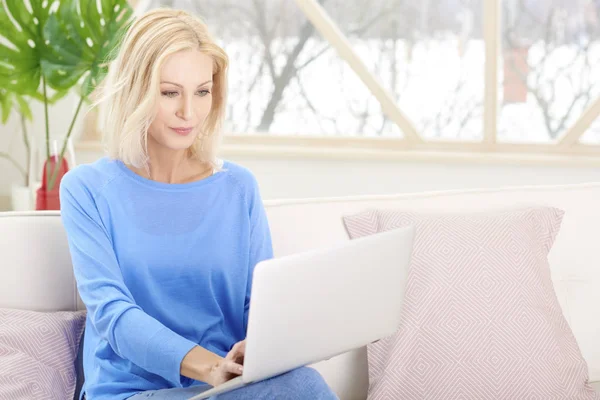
x,y
551,67
429,54
510,75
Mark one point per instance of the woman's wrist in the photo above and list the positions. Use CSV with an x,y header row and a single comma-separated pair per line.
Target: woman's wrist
x,y
199,364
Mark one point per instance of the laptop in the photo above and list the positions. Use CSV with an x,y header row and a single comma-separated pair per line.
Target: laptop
x,y
311,306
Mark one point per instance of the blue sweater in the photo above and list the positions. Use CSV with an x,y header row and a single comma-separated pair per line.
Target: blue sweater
x,y
161,268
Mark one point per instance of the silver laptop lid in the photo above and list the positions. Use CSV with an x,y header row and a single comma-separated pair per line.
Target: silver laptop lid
x,y
311,306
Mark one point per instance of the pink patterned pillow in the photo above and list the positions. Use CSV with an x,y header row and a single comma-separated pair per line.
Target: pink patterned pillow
x,y
37,353
481,319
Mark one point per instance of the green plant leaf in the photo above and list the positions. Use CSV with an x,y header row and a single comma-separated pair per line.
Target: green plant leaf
x,y
6,103
8,100
82,38
23,45
24,108
57,96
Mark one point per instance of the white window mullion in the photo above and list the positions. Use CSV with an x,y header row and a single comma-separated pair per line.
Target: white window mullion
x,y
329,30
572,136
492,17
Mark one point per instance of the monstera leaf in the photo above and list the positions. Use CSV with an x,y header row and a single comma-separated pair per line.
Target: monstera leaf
x,y
23,45
61,40
8,100
23,49
83,36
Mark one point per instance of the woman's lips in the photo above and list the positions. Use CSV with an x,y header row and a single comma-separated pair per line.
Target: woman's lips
x,y
183,131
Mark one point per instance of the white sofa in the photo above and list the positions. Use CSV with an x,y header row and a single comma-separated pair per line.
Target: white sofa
x,y
36,272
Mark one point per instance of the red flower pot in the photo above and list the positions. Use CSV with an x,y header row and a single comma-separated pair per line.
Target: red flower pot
x,y
49,199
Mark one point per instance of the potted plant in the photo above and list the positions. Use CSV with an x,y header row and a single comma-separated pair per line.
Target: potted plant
x,y
52,48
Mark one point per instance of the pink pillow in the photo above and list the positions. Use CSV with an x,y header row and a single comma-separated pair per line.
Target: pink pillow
x,y
37,353
481,319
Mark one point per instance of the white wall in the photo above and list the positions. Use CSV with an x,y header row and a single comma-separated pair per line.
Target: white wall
x,y
289,178
10,142
280,179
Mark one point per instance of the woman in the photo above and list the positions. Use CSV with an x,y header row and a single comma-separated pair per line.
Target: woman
x,y
164,236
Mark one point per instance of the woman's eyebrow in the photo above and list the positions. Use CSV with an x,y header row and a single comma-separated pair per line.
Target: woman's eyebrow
x,y
177,84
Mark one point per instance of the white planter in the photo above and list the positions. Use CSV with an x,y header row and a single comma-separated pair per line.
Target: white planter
x,y
21,198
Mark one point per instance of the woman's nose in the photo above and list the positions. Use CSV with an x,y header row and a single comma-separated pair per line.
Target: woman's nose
x,y
186,110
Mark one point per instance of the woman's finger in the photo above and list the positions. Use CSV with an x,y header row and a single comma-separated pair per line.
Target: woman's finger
x,y
237,352
233,368
232,355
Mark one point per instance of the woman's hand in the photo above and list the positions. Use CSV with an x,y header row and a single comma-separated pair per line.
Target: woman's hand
x,y
229,367
237,352
206,366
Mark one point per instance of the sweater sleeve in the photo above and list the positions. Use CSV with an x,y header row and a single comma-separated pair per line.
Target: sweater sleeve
x,y
261,247
111,309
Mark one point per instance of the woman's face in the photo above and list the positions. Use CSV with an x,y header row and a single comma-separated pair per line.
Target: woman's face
x,y
184,102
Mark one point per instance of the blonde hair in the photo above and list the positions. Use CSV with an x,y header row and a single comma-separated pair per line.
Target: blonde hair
x,y
131,88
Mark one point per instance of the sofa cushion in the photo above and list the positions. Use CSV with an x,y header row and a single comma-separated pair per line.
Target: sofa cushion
x,y
37,353
481,318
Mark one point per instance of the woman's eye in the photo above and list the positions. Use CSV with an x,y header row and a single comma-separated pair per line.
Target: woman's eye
x,y
169,94
203,92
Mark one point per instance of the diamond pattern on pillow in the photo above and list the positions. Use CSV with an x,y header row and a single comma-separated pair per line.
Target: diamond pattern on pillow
x,y
480,319
37,353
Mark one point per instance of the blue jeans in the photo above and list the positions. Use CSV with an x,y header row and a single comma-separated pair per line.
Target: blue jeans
x,y
300,384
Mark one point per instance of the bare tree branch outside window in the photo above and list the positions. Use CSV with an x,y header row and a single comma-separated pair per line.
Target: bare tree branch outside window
x,y
551,56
